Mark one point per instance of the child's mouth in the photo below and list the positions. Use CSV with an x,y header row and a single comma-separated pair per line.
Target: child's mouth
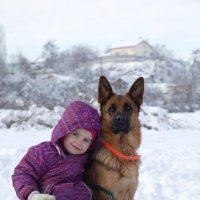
x,y
76,147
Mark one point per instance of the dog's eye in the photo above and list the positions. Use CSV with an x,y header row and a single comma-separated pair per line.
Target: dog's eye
x,y
127,108
112,109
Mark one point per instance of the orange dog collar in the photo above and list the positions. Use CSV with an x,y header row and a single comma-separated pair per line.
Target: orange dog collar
x,y
119,154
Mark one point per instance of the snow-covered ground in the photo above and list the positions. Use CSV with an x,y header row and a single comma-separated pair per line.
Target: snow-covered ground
x,y
170,167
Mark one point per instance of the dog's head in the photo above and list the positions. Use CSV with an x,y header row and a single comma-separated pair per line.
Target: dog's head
x,y
120,112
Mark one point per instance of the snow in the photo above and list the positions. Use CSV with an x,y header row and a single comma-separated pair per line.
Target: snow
x,y
170,151
170,167
59,78
140,68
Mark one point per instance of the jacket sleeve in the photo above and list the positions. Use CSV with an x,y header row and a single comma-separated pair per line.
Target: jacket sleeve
x,y
28,172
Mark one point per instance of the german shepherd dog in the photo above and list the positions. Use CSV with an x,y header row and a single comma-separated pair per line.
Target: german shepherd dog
x,y
115,164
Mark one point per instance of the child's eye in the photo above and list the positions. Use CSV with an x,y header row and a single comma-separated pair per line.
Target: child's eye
x,y
75,134
86,141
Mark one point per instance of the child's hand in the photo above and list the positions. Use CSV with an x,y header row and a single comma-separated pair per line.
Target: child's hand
x,y
38,196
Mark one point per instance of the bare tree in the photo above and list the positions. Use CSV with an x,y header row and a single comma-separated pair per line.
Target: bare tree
x,y
50,54
162,53
195,70
23,64
83,54
68,60
2,53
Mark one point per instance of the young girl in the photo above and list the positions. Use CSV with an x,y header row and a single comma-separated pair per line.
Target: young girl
x,y
53,170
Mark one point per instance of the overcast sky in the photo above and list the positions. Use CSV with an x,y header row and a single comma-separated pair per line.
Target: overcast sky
x,y
28,24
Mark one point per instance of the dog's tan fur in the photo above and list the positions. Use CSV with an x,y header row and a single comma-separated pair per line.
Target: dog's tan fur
x,y
107,170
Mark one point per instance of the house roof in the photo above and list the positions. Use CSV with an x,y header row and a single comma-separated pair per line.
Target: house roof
x,y
123,44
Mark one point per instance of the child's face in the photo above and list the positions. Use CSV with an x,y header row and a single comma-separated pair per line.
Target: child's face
x,y
78,141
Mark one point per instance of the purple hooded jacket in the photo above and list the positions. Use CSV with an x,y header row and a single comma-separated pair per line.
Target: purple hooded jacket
x,y
47,169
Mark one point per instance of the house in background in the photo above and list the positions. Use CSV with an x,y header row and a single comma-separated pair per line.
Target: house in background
x,y
127,52
38,63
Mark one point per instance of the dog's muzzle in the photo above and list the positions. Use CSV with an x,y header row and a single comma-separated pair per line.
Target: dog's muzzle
x,y
120,123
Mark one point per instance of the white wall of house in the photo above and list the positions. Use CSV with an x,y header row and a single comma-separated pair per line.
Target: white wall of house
x,y
143,49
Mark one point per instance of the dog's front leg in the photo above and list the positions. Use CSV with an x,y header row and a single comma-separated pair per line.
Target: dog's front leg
x,y
123,195
120,189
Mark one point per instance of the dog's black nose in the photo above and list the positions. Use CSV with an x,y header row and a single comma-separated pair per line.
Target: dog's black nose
x,y
120,123
121,117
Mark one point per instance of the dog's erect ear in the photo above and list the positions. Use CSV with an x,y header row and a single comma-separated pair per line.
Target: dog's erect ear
x,y
104,90
137,90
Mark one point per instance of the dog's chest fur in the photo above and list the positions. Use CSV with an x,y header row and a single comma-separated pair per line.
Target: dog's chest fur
x,y
122,176
111,162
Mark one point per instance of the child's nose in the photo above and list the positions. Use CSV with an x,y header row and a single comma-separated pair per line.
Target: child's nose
x,y
79,141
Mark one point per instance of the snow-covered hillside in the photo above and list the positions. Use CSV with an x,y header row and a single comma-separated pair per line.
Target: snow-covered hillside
x,y
170,150
128,71
169,83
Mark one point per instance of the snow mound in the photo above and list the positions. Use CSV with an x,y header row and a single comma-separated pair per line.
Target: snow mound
x,y
160,119
34,117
